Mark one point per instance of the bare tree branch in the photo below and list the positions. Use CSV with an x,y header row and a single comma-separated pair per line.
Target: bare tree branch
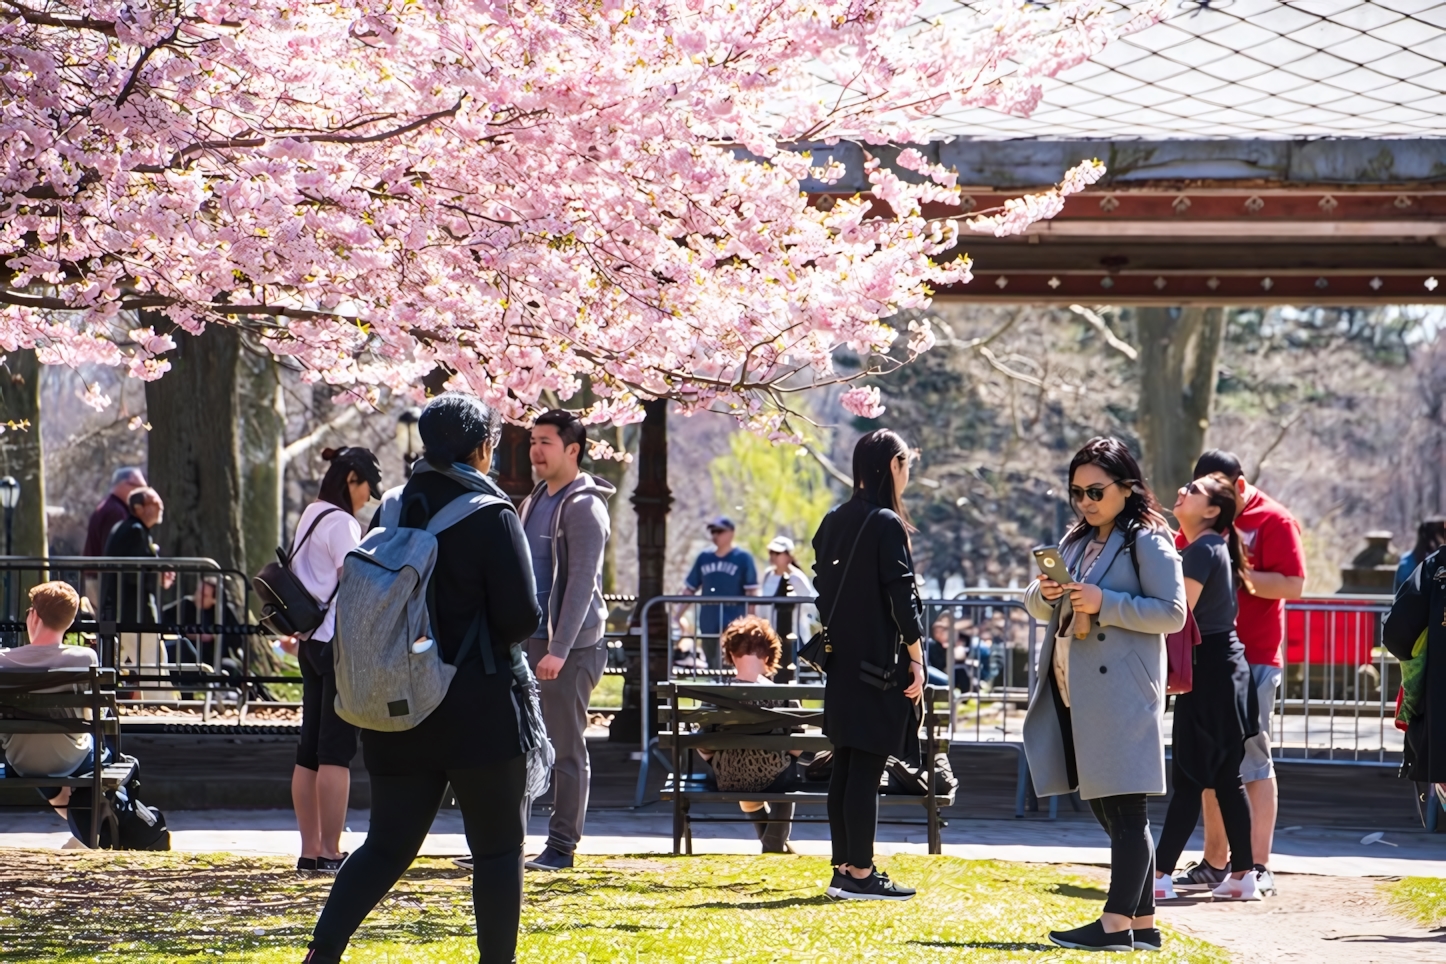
x,y
1098,322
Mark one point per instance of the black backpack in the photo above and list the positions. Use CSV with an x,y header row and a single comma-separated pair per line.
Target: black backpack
x,y
287,608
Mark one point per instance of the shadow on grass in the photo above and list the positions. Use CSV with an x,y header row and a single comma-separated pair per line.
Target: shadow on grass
x,y
1083,893
989,945
814,901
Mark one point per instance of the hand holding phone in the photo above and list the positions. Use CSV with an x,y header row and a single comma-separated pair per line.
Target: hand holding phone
x,y
1054,575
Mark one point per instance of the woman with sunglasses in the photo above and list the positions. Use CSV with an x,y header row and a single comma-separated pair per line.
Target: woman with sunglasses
x,y
1096,722
1213,720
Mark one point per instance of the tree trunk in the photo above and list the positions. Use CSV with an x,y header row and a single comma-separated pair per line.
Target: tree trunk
x,y
1179,358
615,472
195,447
263,422
21,454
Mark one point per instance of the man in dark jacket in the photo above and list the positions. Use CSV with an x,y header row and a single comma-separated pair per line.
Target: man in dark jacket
x,y
113,509
1421,605
472,740
132,597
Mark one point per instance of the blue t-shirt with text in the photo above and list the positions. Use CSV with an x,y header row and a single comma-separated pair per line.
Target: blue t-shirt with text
x,y
715,575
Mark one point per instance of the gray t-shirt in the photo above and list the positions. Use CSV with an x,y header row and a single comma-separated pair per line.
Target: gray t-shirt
x,y
47,754
539,539
1207,561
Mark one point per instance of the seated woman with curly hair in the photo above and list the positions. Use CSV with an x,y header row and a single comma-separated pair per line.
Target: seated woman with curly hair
x,y
755,651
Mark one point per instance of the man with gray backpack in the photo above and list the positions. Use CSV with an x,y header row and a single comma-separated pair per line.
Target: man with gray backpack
x,y
432,609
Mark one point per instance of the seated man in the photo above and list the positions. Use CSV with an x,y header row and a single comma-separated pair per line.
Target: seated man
x,y
53,606
755,651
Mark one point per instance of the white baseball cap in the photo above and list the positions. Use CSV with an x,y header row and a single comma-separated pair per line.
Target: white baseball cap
x,y
781,544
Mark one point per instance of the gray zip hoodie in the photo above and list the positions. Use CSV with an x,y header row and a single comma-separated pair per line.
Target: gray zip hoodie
x,y
576,614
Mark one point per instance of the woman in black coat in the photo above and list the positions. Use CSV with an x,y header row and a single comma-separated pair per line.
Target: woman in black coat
x,y
1421,605
867,597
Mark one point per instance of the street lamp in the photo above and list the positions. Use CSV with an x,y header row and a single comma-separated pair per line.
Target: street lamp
x,y
409,438
9,499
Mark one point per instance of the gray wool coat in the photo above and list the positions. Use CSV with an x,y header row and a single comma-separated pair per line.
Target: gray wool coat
x,y
1116,674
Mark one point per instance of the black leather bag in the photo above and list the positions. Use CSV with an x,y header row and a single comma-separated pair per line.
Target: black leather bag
x,y
817,651
287,608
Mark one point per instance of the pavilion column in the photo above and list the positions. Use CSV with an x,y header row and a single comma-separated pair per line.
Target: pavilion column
x,y
651,500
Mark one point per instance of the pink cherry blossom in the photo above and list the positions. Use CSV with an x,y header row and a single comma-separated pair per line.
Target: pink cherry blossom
x,y
863,401
537,194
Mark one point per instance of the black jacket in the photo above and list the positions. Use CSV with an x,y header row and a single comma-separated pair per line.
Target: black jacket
x,y
876,617
131,598
1421,604
483,562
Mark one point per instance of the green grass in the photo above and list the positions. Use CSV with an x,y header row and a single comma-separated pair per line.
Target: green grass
x,y
154,908
1420,898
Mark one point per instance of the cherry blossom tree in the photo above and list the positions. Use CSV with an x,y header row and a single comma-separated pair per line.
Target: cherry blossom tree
x,y
528,193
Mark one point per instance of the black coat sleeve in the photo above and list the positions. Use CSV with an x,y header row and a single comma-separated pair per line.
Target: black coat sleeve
x,y
512,610
1410,612
896,573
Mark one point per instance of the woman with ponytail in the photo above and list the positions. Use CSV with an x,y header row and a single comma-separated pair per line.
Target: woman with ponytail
x,y
1213,720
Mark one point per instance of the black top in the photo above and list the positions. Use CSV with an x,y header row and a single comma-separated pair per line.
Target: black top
x,y
130,598
1207,561
482,563
876,617
1421,605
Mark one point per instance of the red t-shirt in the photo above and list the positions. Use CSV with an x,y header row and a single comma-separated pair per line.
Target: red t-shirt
x,y
1271,539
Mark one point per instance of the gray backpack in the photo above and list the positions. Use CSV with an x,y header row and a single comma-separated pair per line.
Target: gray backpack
x,y
385,678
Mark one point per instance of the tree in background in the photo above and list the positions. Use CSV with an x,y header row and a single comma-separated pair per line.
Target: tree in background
x,y
771,490
522,193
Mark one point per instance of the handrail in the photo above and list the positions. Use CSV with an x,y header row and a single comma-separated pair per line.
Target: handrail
x,y
108,563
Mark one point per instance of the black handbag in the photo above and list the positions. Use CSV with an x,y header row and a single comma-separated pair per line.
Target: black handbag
x,y
817,651
287,608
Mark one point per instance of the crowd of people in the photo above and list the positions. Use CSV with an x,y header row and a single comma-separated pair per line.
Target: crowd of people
x,y
526,584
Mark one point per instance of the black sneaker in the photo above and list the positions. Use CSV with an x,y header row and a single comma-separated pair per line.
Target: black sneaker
x,y
330,865
1093,937
836,884
464,862
550,859
1200,876
1148,939
876,886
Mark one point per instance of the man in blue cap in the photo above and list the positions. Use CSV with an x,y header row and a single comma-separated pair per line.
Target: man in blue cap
x,y
726,571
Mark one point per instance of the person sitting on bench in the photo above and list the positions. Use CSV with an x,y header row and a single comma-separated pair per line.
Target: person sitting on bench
x,y
53,606
755,650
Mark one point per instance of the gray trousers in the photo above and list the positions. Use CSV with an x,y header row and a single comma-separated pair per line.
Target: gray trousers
x,y
564,710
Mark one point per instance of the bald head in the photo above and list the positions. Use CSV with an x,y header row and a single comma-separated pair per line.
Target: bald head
x,y
145,504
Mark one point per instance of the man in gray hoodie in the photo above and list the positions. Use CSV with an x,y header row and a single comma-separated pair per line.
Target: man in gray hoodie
x,y
567,526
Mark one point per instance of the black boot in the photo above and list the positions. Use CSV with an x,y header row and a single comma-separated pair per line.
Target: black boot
x,y
780,821
314,956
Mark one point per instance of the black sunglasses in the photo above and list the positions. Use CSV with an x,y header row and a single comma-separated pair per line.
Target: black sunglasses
x,y
1193,488
1094,492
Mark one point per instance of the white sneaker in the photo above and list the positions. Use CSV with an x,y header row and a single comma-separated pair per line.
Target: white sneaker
x,y
1265,882
1230,888
1165,888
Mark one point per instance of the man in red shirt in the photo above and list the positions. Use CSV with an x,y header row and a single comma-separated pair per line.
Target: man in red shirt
x,y
1270,536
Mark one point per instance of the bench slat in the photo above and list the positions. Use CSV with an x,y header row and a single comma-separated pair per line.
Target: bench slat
x,y
796,796
51,701
111,776
56,726
745,741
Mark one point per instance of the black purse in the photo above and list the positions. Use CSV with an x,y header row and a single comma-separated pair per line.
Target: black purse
x,y
287,607
818,650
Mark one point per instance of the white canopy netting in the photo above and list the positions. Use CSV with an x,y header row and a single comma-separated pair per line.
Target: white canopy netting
x,y
1243,69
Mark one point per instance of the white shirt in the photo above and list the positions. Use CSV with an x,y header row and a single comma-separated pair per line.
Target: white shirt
x,y
318,563
47,754
803,613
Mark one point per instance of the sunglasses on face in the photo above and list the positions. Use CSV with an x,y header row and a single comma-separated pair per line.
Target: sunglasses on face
x,y
1193,488
1094,492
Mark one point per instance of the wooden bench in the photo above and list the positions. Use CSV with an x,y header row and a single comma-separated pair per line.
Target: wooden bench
x,y
26,706
724,719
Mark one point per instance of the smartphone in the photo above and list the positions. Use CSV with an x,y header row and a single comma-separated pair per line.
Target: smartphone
x,y
1051,563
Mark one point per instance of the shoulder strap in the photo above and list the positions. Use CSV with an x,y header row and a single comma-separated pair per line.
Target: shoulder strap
x,y
460,508
309,530
847,564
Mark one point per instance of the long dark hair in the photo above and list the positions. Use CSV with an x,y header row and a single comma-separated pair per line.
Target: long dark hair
x,y
345,461
874,457
1221,492
1141,510
1430,536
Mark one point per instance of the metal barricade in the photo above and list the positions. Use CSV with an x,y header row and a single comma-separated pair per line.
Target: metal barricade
x,y
171,627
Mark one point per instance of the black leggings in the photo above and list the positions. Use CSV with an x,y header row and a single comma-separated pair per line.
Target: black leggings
x,y
1184,813
853,805
1132,854
403,807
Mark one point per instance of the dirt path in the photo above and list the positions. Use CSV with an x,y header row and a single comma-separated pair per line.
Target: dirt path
x,y
1315,920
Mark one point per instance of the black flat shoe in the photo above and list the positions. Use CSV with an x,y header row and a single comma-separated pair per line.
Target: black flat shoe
x,y
1093,937
1148,939
330,865
305,863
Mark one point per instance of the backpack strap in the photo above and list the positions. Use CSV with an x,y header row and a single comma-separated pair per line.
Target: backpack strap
x,y
462,507
309,530
451,514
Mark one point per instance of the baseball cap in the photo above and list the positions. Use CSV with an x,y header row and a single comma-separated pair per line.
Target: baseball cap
x,y
781,544
722,522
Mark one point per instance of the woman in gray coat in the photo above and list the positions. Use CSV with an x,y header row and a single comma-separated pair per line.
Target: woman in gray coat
x,y
1096,721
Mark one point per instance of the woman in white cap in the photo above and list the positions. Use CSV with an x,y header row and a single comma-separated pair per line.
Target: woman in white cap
x,y
784,578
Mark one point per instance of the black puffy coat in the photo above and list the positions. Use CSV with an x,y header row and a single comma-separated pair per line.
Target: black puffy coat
x,y
1421,604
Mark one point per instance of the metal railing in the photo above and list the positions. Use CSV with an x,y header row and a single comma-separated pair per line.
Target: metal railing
x,y
175,629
